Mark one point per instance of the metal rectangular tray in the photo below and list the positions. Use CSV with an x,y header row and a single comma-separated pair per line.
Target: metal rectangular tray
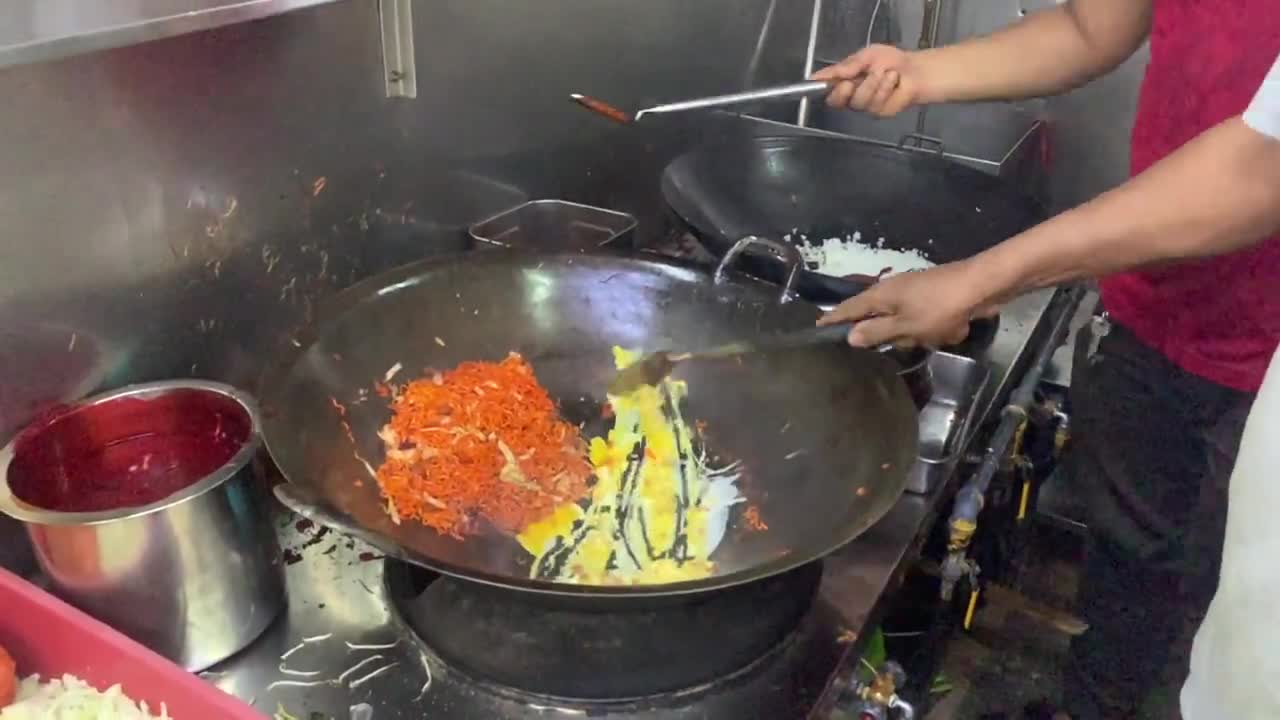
x,y
556,225
946,422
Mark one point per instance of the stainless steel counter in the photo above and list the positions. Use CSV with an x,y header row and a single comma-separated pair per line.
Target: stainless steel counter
x,y
1059,370
342,644
1022,329
337,607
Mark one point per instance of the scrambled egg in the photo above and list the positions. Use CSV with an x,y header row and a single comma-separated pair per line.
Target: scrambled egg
x,y
656,513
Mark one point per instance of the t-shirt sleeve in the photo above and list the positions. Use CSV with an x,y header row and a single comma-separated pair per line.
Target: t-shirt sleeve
x,y
1263,114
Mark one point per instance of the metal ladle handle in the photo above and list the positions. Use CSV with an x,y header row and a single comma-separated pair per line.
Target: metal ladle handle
x,y
794,91
789,255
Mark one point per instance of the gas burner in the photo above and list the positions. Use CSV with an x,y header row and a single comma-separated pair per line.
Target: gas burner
x,y
604,649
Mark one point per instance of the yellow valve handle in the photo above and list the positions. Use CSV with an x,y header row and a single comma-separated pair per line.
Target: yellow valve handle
x,y
969,611
1025,500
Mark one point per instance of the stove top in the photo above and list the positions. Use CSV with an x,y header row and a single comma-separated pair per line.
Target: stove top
x,y
762,650
411,644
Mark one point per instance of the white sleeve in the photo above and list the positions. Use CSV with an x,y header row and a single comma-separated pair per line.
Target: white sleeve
x,y
1263,114
1234,663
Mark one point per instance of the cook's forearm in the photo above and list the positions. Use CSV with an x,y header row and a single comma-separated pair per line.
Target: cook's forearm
x,y
1217,194
1045,53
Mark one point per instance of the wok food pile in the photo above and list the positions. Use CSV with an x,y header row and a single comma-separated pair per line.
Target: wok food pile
x,y
483,445
481,441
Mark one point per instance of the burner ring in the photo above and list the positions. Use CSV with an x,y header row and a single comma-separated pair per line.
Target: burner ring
x,y
595,650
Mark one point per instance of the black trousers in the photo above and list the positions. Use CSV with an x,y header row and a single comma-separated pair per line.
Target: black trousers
x,y
1152,451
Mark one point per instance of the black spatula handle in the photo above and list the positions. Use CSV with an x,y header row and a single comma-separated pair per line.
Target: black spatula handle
x,y
791,339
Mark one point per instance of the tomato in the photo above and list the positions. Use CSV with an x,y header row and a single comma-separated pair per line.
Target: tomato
x,y
8,678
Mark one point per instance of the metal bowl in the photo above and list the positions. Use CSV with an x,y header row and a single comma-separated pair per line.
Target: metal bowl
x,y
143,510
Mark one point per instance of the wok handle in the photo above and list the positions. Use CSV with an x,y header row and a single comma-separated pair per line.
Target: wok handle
x,y
789,255
809,336
816,335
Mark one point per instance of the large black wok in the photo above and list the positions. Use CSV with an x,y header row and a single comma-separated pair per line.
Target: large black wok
x,y
826,434
832,187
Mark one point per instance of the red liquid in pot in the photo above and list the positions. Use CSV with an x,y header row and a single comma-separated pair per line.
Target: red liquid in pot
x,y
126,452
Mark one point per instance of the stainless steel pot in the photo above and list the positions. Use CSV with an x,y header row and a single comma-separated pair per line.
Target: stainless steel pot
x,y
195,574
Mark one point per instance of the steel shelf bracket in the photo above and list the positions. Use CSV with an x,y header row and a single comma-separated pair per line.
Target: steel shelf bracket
x,y
398,64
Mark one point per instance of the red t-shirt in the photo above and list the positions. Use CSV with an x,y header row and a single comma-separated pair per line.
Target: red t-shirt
x,y
1218,318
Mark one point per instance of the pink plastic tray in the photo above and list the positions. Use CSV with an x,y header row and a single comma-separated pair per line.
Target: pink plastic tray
x,y
47,636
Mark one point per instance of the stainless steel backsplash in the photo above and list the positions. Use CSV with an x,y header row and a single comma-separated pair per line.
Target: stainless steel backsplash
x,y
178,208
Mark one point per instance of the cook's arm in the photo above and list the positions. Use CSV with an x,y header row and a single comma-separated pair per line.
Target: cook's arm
x,y
1218,193
1047,52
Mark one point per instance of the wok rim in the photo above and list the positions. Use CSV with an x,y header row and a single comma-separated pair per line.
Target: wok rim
x,y
319,511
715,241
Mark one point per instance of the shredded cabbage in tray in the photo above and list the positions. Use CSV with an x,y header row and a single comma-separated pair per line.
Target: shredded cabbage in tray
x,y
71,698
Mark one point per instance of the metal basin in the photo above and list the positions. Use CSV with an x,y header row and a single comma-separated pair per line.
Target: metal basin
x,y
143,511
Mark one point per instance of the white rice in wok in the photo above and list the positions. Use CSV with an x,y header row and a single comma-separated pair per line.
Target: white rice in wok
x,y
849,255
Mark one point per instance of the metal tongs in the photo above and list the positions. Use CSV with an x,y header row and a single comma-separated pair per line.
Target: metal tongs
x,y
795,91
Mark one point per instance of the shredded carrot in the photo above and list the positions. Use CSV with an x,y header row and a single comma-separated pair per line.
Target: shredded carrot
x,y
342,409
484,440
751,516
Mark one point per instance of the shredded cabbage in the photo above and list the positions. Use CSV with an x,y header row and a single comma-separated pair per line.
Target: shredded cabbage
x,y
71,698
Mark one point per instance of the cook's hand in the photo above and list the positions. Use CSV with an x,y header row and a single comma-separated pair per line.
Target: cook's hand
x,y
880,79
928,307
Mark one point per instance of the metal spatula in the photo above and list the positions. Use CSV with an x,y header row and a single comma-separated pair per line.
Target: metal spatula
x,y
652,368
